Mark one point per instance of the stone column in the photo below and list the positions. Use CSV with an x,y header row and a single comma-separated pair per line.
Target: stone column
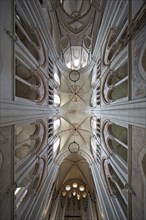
x,y
7,39
7,186
105,204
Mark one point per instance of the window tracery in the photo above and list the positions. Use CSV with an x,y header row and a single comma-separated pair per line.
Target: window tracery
x,y
28,140
116,85
29,185
115,184
115,138
29,84
114,40
30,38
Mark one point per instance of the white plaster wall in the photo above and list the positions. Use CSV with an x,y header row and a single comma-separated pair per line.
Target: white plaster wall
x,y
6,50
138,181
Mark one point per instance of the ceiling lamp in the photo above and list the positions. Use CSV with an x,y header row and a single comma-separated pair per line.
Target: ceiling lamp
x,y
74,193
78,196
68,187
84,194
81,188
75,184
64,193
74,188
74,147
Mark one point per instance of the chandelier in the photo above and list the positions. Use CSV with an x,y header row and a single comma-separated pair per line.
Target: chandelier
x,y
74,189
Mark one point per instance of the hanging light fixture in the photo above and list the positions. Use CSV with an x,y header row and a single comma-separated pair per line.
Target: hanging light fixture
x,y
64,193
75,189
75,184
84,194
81,188
74,193
68,187
78,196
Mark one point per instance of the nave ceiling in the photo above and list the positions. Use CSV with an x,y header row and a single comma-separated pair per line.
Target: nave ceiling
x,y
72,109
76,22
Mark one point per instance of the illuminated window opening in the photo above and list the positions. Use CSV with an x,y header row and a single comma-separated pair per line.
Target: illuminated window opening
x,y
56,124
76,57
56,77
56,145
56,99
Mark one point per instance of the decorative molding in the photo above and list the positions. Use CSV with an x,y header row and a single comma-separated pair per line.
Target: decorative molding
x,y
74,76
74,147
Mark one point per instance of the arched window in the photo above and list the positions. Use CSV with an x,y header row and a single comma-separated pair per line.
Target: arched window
x,y
115,39
118,83
76,57
31,39
115,184
118,189
108,47
29,84
115,86
115,138
29,185
26,40
56,146
93,147
56,76
56,124
25,141
28,139
56,99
